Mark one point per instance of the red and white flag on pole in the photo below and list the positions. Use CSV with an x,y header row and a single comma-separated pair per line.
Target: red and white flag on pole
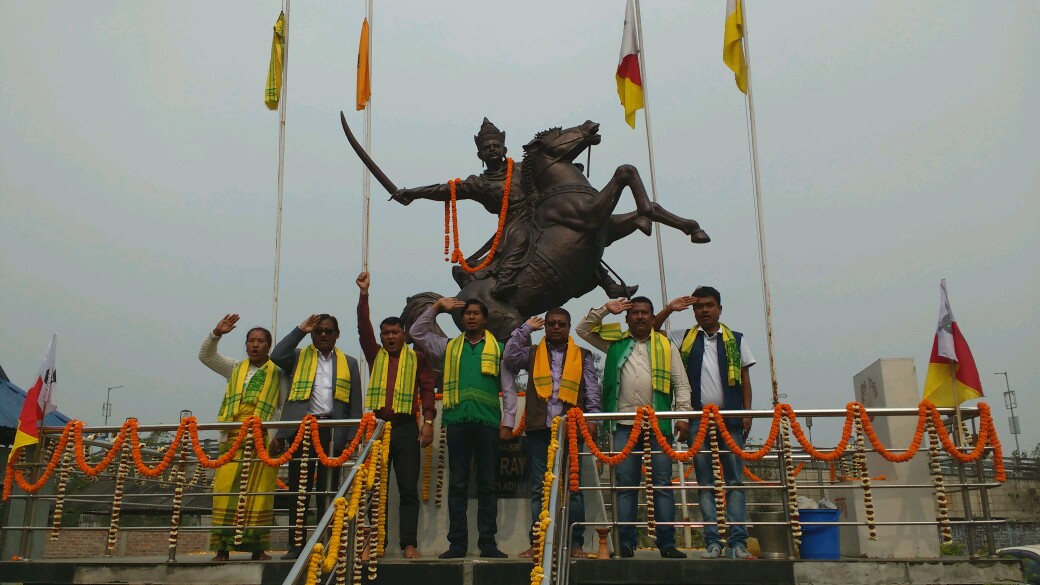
x,y
39,401
952,376
628,76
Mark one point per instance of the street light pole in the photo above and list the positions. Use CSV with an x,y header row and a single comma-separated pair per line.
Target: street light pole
x,y
1010,402
106,408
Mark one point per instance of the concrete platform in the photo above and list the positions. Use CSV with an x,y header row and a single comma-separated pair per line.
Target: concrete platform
x,y
646,569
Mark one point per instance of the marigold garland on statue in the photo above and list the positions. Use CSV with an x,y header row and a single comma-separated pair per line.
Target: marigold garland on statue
x,y
450,210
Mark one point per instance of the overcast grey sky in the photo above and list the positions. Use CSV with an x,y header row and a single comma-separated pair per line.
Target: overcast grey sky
x,y
898,146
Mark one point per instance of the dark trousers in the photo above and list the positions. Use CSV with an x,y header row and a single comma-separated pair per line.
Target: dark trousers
x,y
404,460
319,477
538,443
477,443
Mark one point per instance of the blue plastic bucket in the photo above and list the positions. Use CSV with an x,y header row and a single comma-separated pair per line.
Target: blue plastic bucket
x,y
820,542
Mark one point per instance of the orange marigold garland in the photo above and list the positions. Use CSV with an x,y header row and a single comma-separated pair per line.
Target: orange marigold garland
x,y
450,210
792,489
178,491
117,499
442,448
648,480
541,527
301,491
575,416
573,462
243,488
519,430
59,501
940,486
314,564
861,461
717,475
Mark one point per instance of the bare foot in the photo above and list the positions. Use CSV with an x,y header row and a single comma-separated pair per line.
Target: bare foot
x,y
410,552
529,553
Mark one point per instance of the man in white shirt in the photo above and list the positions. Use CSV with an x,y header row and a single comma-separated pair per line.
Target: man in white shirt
x,y
718,363
330,392
643,368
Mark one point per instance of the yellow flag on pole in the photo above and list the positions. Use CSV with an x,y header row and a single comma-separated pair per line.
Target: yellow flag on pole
x,y
273,92
732,49
364,75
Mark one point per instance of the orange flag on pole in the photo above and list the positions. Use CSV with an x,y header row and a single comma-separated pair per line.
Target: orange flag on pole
x,y
952,376
629,79
364,76
38,402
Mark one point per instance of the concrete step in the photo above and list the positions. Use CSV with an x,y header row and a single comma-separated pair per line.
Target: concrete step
x,y
645,569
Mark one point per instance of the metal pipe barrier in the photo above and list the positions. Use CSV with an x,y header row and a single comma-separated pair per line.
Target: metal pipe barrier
x,y
981,483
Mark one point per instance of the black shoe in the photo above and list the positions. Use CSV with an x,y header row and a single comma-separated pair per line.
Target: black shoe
x,y
626,552
672,553
493,553
452,553
292,555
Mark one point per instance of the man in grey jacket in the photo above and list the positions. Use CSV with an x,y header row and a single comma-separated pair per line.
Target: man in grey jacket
x,y
327,384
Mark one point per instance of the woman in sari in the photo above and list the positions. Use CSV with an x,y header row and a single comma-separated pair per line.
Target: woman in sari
x,y
256,387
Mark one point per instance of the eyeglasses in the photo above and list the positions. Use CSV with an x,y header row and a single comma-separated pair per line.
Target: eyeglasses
x,y
560,324
325,331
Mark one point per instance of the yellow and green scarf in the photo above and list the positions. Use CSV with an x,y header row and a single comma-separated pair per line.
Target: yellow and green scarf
x,y
729,343
660,354
404,386
490,359
307,367
570,380
262,390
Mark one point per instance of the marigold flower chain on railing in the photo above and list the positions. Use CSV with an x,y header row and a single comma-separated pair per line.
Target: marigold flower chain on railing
x,y
542,526
855,412
128,433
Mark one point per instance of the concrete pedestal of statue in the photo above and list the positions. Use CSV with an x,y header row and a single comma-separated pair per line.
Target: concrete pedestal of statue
x,y
514,502
890,383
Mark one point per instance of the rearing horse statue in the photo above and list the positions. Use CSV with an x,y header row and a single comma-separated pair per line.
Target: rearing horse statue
x,y
571,225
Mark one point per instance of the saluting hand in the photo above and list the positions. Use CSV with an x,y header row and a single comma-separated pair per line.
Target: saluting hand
x,y
536,323
445,304
618,306
226,324
681,303
309,323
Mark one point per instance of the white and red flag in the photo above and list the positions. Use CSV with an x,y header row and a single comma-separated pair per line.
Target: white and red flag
x,y
952,376
629,79
39,401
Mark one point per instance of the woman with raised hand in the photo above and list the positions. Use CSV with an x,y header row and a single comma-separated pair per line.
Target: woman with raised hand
x,y
256,387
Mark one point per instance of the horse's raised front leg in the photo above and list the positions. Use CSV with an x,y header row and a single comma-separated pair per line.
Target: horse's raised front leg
x,y
628,175
624,224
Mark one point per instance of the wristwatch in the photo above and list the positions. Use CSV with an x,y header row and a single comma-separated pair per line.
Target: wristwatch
x,y
428,422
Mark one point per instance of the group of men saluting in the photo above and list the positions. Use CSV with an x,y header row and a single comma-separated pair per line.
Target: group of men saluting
x,y
681,371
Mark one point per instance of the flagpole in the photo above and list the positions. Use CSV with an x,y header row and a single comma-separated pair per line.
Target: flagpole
x,y
759,212
650,150
282,106
367,180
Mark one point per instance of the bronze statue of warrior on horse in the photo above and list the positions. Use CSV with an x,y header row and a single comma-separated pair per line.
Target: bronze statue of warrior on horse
x,y
556,227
